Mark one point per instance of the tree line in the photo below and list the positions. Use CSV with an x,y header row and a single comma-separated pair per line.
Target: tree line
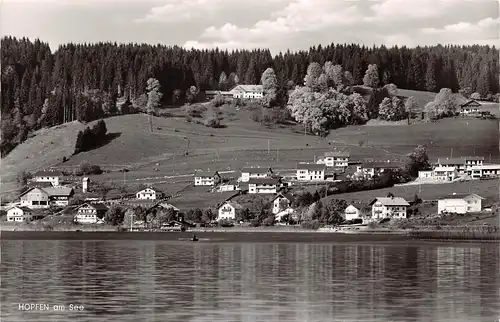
x,y
86,82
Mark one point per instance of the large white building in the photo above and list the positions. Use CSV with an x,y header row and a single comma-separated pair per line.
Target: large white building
x,y
281,202
484,171
90,213
255,173
462,164
352,212
227,211
206,178
240,91
389,207
19,214
147,194
460,203
54,177
335,159
310,172
264,185
445,173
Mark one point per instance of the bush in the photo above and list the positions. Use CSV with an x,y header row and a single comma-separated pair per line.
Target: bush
x,y
310,224
195,110
218,100
212,122
87,168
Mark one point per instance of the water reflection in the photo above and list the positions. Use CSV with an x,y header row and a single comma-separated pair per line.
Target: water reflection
x,y
170,281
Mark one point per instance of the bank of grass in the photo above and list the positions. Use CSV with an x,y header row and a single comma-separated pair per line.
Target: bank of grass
x,y
477,233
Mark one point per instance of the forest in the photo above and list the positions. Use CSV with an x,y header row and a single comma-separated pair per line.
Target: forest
x,y
84,82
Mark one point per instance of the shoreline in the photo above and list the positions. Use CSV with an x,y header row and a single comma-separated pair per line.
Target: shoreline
x,y
257,236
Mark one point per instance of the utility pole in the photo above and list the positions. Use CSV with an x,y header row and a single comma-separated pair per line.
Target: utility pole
x,y
124,178
451,153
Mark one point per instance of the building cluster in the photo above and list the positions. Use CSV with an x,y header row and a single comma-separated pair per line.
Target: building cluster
x,y
239,91
451,169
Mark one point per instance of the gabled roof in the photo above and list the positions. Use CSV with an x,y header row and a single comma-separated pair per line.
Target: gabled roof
x,y
459,160
338,154
263,181
449,168
485,167
388,201
48,173
43,184
256,170
150,188
311,166
380,165
31,189
247,88
59,191
462,196
206,174
233,204
96,206
288,196
24,209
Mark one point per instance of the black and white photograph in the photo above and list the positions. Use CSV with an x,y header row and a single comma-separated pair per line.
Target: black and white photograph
x,y
239,161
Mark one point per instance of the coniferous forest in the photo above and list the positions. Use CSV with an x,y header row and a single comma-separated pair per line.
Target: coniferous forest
x,y
83,82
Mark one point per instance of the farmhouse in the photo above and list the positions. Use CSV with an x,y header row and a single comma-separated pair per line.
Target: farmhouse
x,y
48,176
470,106
207,178
335,159
239,91
19,214
35,198
90,213
281,202
148,194
370,169
351,212
460,203
484,171
263,185
255,173
389,207
231,185
445,173
228,210
310,172
462,164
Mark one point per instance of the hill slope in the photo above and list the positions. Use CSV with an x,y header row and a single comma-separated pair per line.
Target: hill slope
x,y
47,148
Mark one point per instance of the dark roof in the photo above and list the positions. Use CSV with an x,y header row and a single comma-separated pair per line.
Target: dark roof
x,y
96,206
461,196
390,201
47,173
256,170
286,195
206,174
58,191
380,165
311,166
263,181
30,189
34,184
26,209
471,103
340,154
459,160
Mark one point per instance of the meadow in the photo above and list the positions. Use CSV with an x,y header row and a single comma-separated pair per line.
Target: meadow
x,y
169,155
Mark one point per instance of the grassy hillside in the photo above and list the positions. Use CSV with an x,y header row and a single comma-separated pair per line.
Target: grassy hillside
x,y
159,157
421,97
46,148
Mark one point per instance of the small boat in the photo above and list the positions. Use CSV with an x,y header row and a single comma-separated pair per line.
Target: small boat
x,y
194,238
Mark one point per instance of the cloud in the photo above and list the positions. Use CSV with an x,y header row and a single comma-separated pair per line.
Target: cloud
x,y
300,16
482,26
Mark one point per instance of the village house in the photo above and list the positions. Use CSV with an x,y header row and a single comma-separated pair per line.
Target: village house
x,y
460,203
35,198
310,172
207,178
335,159
255,173
227,211
352,212
148,194
263,185
281,201
54,177
89,213
484,171
389,207
470,107
19,214
239,91
462,164
445,173
370,169
231,185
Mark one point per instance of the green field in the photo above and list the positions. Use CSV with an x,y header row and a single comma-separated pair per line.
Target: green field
x,y
159,157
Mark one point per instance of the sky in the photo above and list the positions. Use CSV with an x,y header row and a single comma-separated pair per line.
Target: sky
x,y
279,25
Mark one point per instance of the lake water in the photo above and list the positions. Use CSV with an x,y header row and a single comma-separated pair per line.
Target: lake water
x,y
119,280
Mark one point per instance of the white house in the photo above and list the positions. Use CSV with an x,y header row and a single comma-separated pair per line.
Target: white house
x,y
460,203
335,159
484,171
90,213
206,178
462,164
247,91
36,198
310,172
351,212
255,173
445,173
389,207
281,202
228,210
426,174
48,176
147,194
370,169
264,185
19,214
